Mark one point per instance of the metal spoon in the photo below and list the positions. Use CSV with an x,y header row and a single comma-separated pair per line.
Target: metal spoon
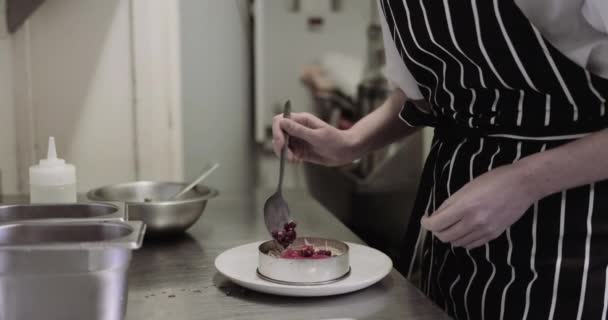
x,y
206,172
276,211
198,180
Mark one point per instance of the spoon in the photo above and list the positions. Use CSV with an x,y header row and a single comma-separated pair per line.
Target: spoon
x,y
276,211
206,172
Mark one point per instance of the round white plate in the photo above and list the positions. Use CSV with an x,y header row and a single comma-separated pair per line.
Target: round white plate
x,y
368,266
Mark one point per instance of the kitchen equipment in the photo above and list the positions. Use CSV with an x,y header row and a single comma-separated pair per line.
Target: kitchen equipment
x,y
161,217
278,66
373,89
66,270
205,174
304,272
276,210
368,267
55,212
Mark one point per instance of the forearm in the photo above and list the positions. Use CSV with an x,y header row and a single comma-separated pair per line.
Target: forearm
x,y
382,126
574,164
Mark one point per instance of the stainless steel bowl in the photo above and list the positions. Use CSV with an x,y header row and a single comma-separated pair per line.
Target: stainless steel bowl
x,y
161,217
66,270
304,272
56,212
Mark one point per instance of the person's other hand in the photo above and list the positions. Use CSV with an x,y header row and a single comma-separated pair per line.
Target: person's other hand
x,y
312,140
483,209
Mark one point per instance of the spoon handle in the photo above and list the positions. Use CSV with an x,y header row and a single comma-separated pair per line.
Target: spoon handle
x,y
286,115
206,173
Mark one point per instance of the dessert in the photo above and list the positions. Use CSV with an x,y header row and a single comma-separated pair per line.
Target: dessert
x,y
304,250
307,261
287,236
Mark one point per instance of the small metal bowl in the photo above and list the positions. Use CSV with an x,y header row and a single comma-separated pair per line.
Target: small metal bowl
x,y
161,217
304,272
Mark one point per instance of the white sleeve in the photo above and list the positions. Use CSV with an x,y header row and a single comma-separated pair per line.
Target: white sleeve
x,y
395,69
596,13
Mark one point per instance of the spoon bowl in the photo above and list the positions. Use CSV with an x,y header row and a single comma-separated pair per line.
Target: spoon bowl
x,y
276,212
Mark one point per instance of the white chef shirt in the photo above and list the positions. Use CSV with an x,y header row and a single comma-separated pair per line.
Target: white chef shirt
x,y
578,28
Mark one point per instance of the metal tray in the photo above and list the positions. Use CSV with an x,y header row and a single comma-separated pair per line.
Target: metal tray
x,y
66,270
62,212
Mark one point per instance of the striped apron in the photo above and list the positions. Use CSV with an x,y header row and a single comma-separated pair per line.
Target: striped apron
x,y
498,91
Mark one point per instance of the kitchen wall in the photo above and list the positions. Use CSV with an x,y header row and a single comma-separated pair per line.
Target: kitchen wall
x,y
216,90
73,71
81,87
92,73
8,160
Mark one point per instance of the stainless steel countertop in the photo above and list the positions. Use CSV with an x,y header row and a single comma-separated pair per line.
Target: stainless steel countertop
x,y
176,279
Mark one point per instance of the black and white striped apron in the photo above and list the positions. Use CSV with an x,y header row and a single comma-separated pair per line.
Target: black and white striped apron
x,y
499,91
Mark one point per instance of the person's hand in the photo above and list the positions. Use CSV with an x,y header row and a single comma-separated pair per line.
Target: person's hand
x,y
483,209
312,140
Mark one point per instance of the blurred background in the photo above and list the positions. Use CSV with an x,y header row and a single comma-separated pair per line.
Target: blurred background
x,y
155,89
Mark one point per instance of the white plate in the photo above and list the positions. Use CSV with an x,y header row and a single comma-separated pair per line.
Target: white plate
x,y
368,267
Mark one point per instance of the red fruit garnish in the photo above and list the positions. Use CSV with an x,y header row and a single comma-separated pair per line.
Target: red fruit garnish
x,y
305,252
286,236
323,252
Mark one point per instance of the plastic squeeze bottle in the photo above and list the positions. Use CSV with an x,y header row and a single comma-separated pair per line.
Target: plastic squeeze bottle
x,y
52,180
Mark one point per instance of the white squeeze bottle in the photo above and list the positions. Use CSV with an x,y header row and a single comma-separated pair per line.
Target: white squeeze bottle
x,y
52,180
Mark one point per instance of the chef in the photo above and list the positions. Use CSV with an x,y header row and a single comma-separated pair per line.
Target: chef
x,y
511,217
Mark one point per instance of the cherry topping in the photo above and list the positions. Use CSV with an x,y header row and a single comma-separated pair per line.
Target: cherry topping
x,y
306,252
322,252
286,236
